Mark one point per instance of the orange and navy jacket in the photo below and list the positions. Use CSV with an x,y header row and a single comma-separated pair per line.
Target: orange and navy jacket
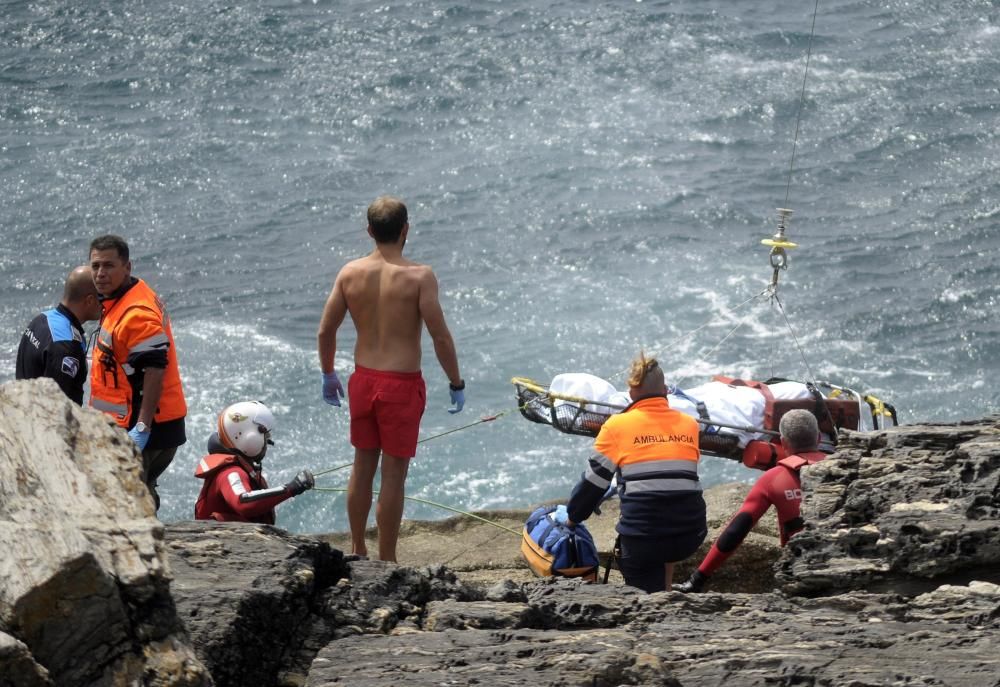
x,y
781,487
654,451
226,478
135,334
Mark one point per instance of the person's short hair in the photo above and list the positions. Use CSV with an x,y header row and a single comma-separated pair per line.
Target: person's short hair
x,y
387,216
110,242
641,368
79,284
800,428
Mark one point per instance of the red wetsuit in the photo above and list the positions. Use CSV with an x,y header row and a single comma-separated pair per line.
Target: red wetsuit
x,y
779,487
226,478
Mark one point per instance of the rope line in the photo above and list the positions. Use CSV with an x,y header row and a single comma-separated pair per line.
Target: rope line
x,y
723,340
802,98
483,419
434,503
339,467
794,338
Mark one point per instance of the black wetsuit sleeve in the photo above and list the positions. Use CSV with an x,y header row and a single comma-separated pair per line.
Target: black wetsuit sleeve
x,y
65,363
583,500
590,489
155,357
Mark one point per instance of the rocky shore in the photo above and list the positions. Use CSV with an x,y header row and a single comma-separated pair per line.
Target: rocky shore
x,y
894,582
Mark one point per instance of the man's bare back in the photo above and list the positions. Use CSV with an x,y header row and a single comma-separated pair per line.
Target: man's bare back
x,y
389,298
383,298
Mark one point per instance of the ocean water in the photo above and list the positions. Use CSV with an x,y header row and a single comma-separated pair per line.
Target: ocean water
x,y
588,179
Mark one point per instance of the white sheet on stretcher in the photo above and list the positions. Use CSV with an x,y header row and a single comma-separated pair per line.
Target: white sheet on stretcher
x,y
583,385
739,406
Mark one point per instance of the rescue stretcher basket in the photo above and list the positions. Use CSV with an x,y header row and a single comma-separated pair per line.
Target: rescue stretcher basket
x,y
584,417
569,414
838,408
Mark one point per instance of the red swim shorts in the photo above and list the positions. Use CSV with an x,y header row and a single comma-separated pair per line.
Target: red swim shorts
x,y
386,408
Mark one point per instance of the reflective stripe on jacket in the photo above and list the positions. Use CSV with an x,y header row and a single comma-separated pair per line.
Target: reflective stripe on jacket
x,y
133,324
654,451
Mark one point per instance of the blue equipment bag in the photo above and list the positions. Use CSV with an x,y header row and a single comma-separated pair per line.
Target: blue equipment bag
x,y
554,549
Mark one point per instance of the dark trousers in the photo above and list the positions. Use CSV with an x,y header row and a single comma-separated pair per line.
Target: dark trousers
x,y
154,462
644,559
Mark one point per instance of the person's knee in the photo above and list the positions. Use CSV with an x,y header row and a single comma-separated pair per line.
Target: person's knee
x,y
365,463
394,469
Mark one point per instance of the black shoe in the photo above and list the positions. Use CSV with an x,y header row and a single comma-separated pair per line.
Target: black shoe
x,y
693,585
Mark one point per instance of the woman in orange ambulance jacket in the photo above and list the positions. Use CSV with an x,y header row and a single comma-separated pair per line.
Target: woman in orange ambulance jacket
x,y
653,449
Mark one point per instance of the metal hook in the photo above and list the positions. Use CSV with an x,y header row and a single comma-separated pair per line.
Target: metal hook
x,y
778,243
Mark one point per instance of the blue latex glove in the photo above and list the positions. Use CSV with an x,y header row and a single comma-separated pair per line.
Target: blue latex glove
x,y
457,400
333,390
560,515
140,438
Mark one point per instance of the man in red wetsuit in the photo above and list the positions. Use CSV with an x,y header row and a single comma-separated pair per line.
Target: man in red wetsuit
x,y
780,487
235,488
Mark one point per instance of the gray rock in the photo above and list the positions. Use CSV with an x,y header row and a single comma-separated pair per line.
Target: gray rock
x,y
703,639
479,615
506,590
246,593
17,667
85,588
903,510
497,658
379,596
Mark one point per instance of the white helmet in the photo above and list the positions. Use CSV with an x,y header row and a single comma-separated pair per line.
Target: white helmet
x,y
246,427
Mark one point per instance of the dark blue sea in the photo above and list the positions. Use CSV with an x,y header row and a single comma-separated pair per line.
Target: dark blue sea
x,y
588,179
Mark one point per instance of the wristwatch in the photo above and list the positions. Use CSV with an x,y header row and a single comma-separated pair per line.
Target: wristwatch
x,y
141,427
457,387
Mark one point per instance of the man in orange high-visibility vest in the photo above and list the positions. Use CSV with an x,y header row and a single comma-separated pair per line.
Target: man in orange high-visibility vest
x,y
134,374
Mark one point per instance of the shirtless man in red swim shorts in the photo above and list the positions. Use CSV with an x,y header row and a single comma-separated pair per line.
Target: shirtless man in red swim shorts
x,y
390,299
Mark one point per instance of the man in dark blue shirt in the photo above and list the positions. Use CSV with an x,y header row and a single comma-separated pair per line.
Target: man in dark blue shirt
x,y
53,345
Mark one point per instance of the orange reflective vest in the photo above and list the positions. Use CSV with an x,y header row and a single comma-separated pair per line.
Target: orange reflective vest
x,y
653,446
654,451
132,324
